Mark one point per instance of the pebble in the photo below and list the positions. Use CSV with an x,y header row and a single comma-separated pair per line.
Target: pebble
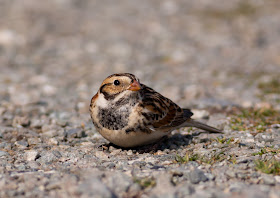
x,y
209,176
184,191
197,176
48,158
22,144
3,153
134,190
268,180
236,187
21,121
72,133
34,141
31,155
52,141
93,187
277,178
118,183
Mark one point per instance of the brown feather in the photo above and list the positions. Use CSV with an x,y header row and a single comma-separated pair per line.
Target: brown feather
x,y
165,114
93,99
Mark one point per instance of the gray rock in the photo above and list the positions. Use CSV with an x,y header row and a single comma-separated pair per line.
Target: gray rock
x,y
3,145
33,165
52,141
254,192
93,187
31,155
243,160
134,190
268,179
21,167
3,153
48,157
74,133
196,176
57,153
184,191
236,187
118,182
34,141
21,121
210,176
22,144
242,176
37,123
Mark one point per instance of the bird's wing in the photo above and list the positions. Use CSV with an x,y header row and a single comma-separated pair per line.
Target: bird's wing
x,y
160,112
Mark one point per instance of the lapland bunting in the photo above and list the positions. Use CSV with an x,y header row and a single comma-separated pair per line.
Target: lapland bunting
x,y
128,113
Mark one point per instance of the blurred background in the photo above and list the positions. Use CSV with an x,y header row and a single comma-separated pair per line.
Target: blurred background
x,y
206,53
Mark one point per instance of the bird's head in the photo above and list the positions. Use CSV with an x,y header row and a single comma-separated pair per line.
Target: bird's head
x,y
116,84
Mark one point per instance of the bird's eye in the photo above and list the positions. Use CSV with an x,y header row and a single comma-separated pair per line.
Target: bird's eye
x,y
116,82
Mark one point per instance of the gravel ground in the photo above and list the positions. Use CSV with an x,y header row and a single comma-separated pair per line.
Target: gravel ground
x,y
220,58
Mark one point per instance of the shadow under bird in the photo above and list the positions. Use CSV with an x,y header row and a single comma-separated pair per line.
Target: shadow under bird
x,y
129,114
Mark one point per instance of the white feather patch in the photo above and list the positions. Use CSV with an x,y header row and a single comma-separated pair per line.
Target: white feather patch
x,y
101,101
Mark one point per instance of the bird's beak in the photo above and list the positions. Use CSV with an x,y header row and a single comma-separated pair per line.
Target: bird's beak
x,y
134,86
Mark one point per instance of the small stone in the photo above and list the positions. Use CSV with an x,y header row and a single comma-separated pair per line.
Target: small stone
x,y
48,157
116,151
9,37
52,141
241,176
50,133
210,176
20,167
276,126
118,183
22,144
277,178
249,140
192,164
31,155
57,153
36,123
268,180
3,153
53,185
72,133
33,165
93,187
3,144
236,187
197,176
34,141
129,152
101,155
275,193
21,122
2,110
241,160
134,190
62,122
111,165
49,90
184,191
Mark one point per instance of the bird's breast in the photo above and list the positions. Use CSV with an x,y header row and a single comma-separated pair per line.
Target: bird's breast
x,y
114,118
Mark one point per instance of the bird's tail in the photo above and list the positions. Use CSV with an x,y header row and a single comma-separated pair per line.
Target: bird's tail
x,y
193,123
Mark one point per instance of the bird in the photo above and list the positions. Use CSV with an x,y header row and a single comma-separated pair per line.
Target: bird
x,y
130,114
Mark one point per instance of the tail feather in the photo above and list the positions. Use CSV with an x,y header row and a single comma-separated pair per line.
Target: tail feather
x,y
193,123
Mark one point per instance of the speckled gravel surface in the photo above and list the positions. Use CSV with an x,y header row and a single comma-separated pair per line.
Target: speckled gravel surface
x,y
217,57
